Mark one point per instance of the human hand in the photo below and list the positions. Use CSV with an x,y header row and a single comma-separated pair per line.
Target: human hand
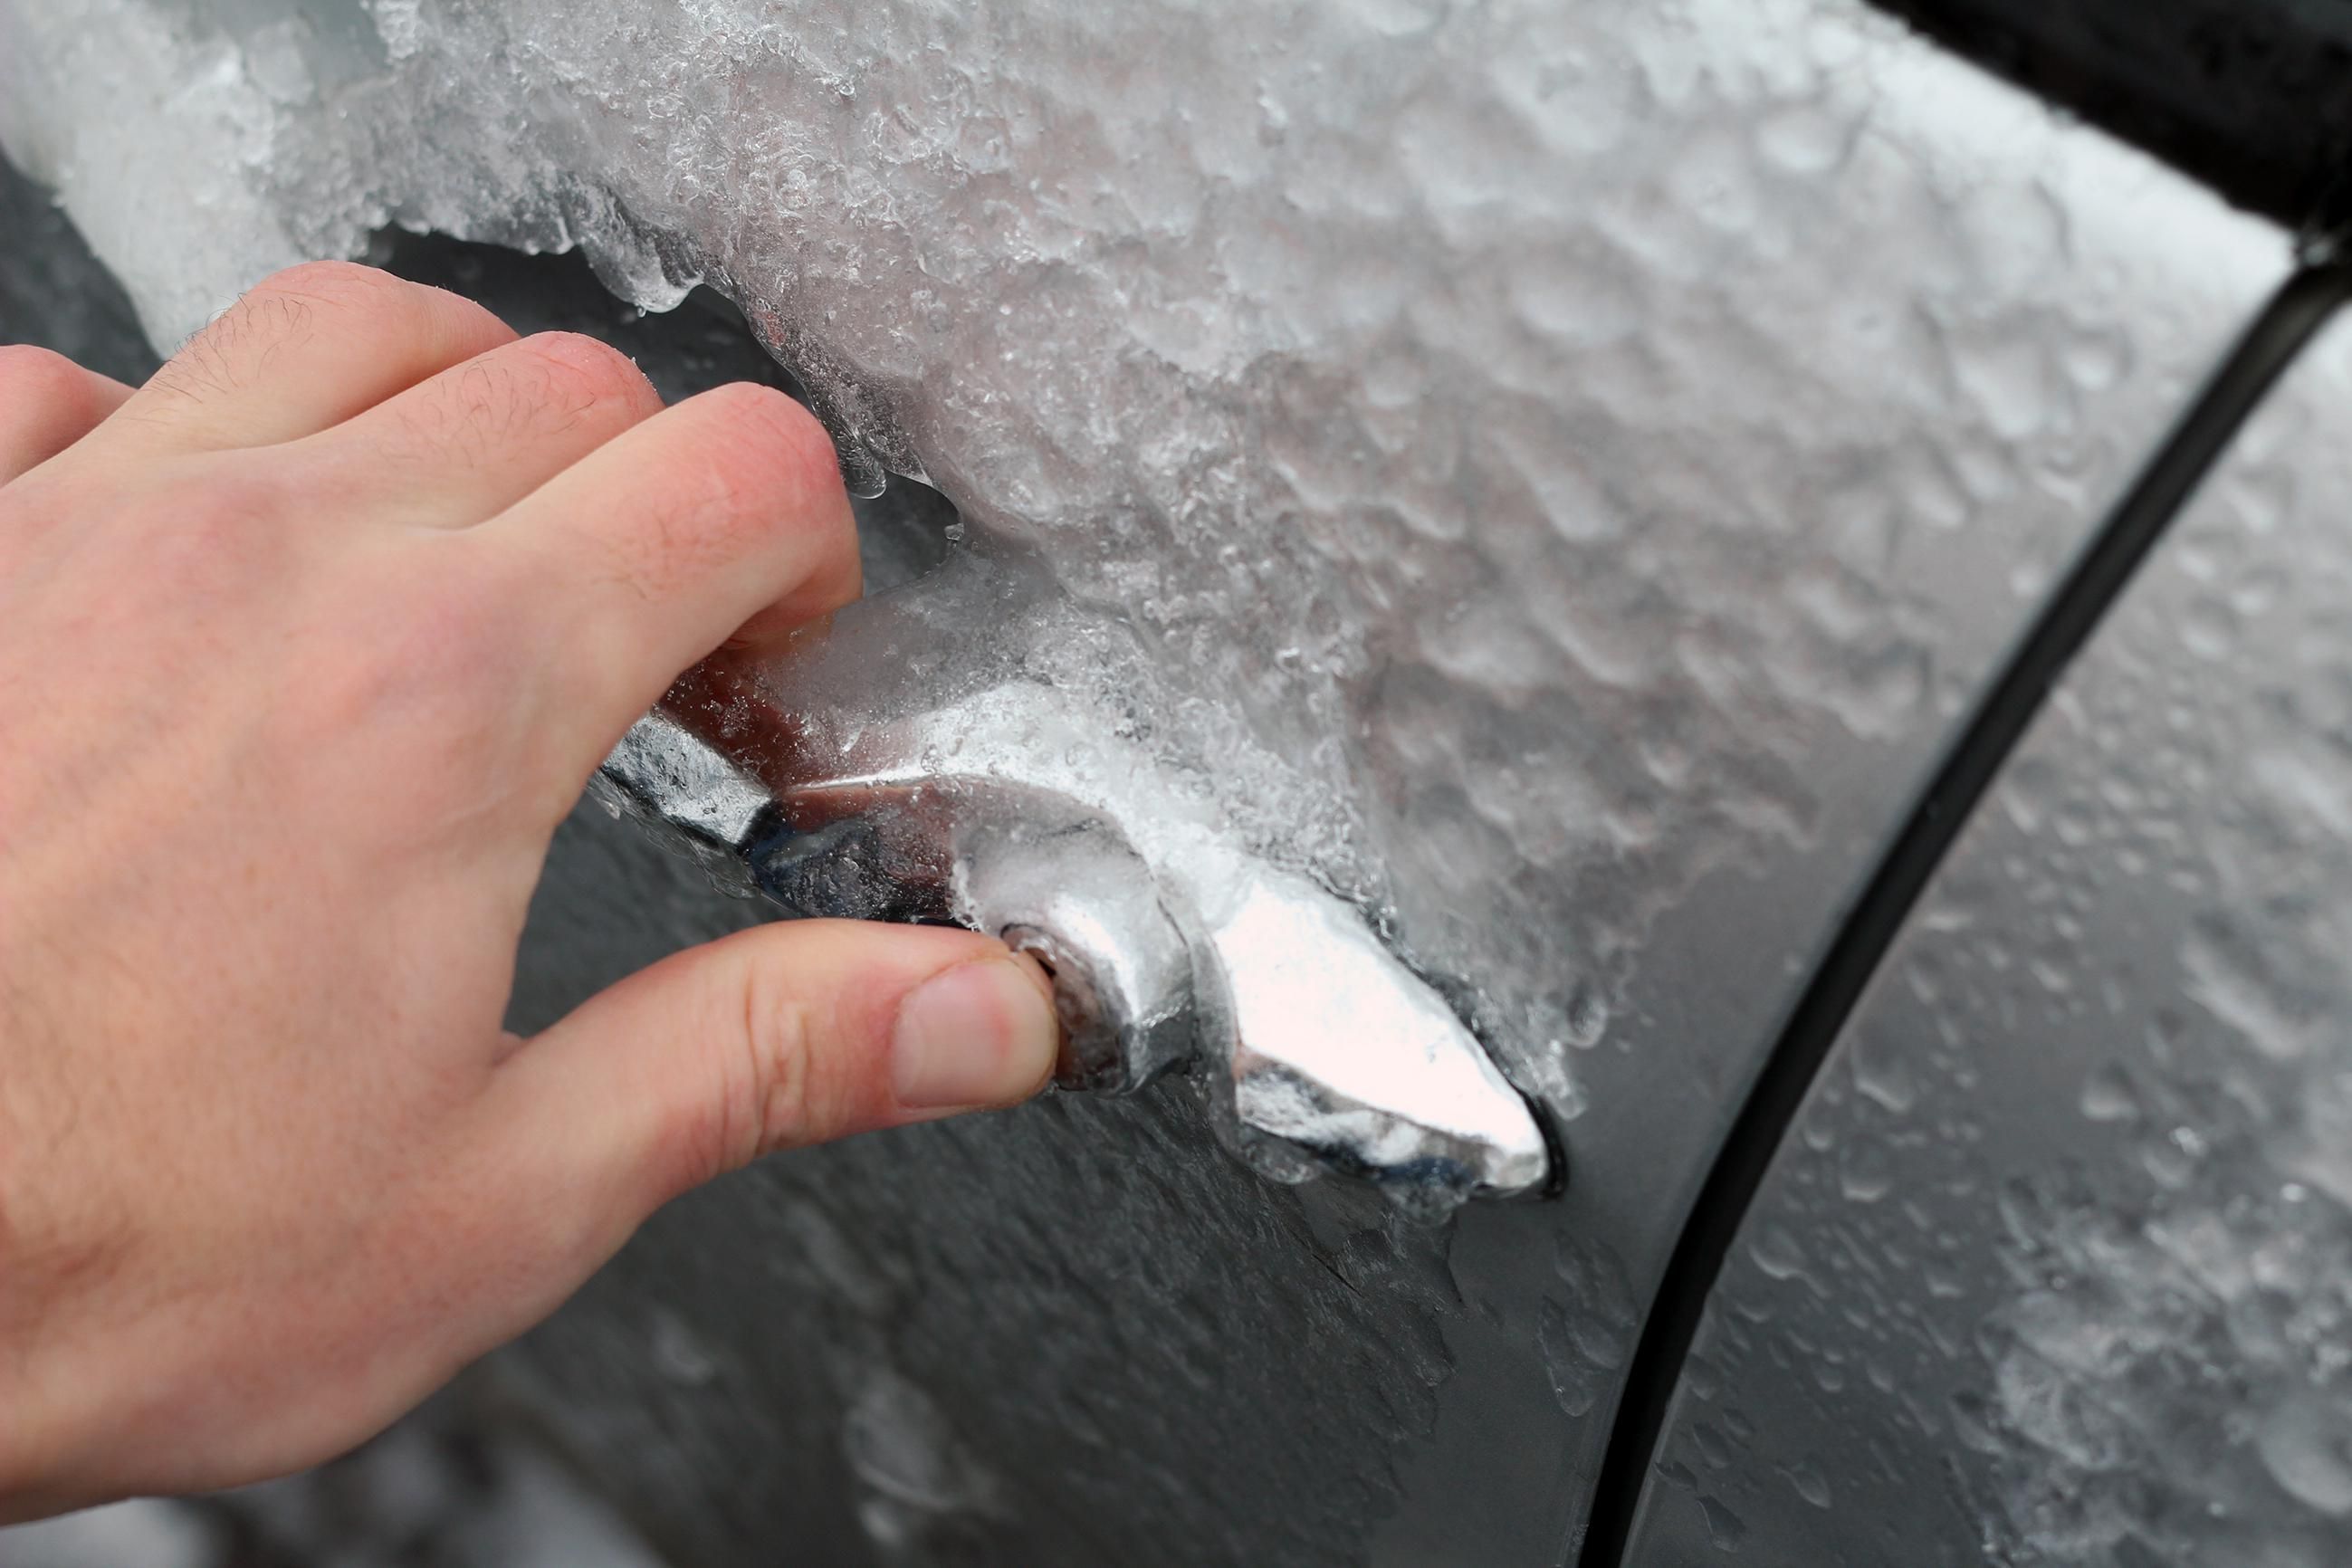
x,y
306,646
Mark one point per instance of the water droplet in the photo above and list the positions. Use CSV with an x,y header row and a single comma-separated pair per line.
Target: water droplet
x,y
900,1444
1725,1529
862,473
1864,1172
2108,1096
1881,1074
2306,1444
1575,1383
1714,1448
1776,1252
679,1354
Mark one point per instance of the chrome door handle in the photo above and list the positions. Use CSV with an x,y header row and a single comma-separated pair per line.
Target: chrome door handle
x,y
895,766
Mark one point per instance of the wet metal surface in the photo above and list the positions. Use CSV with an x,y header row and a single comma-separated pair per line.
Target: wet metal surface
x,y
2057,1264
871,772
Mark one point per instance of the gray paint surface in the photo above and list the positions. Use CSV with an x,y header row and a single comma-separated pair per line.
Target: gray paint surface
x,y
1569,466
1302,1387
2056,1265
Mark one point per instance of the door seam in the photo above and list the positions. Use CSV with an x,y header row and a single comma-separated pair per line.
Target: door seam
x,y
2278,335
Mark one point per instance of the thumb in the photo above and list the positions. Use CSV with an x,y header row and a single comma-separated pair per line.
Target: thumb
x,y
773,1037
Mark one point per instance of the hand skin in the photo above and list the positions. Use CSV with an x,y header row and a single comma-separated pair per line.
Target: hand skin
x,y
306,646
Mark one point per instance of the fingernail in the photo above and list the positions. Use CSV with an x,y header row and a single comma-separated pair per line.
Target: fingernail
x,y
979,1033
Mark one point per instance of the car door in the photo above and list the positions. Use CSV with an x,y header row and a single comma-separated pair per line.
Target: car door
x,y
2052,1265
1554,479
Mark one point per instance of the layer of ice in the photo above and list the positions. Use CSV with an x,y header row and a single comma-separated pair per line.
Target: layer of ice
x,y
1561,466
1521,434
2075,1194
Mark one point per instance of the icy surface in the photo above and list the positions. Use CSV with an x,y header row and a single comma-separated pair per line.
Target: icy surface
x,y
1563,467
2057,1269
1523,434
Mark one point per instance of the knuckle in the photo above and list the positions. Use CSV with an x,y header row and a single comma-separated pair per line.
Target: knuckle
x,y
450,416
202,368
765,1095
388,314
43,381
540,386
281,309
469,411
343,284
582,369
776,1037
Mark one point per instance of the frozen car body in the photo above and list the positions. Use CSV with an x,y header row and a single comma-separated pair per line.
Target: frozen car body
x,y
2055,1265
1559,477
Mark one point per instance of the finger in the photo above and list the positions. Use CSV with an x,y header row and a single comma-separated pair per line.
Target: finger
x,y
308,348
468,443
47,404
775,1037
647,553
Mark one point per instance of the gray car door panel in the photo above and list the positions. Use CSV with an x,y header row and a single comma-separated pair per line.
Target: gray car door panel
x,y
2053,1267
1635,434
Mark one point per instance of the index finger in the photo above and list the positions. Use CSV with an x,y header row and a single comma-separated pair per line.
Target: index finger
x,y
652,551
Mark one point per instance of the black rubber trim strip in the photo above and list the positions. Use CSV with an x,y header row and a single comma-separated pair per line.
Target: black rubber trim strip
x,y
2286,325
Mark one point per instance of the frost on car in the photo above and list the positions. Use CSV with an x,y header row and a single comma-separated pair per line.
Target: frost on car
x,y
1549,481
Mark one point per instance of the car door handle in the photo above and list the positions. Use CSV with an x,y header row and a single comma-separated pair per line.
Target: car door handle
x,y
925,756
